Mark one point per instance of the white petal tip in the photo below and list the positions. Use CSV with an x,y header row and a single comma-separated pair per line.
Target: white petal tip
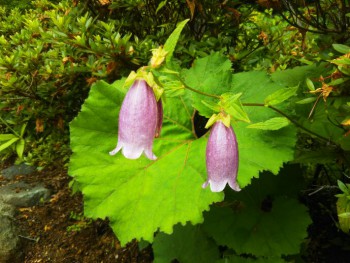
x,y
150,155
114,152
234,185
205,184
215,186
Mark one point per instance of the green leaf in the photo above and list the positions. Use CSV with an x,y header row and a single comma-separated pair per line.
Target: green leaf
x,y
262,219
343,209
297,75
280,96
161,5
20,148
310,84
6,137
306,100
341,61
343,187
138,196
171,42
8,143
341,48
237,259
211,74
271,124
233,106
345,215
23,129
338,81
188,244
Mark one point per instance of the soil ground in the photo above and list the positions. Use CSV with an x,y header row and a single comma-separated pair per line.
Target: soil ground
x,y
56,231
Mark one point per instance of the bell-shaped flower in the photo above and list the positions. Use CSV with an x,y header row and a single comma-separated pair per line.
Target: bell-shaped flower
x,y
222,158
140,120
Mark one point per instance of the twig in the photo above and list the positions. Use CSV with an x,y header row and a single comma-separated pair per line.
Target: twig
x,y
30,238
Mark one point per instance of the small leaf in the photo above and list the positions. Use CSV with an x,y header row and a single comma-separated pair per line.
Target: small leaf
x,y
344,215
280,95
171,42
161,5
310,84
341,61
23,129
343,209
306,100
6,137
345,70
341,48
342,187
20,148
337,81
271,124
8,143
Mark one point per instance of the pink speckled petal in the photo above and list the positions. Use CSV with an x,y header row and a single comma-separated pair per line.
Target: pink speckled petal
x,y
138,122
222,158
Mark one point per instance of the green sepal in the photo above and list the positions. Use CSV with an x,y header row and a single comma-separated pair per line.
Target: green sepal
x,y
224,118
130,79
211,105
232,104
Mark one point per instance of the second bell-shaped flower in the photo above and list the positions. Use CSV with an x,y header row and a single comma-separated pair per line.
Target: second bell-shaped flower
x,y
222,158
139,122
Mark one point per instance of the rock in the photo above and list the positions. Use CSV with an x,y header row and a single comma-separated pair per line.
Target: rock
x,y
21,194
9,240
6,210
20,169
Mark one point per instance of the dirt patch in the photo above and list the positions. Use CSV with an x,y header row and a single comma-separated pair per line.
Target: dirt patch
x,y
56,231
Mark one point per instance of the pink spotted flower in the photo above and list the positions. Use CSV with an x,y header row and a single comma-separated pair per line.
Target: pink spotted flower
x,y
221,158
140,120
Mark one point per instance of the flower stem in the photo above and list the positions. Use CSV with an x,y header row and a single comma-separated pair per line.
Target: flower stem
x,y
297,124
198,91
203,93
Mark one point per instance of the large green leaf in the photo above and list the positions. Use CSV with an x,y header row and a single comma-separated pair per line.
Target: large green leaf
x,y
264,219
188,244
260,150
138,196
237,259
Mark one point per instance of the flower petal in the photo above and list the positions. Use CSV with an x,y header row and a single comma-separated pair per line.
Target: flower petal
x,y
222,158
138,119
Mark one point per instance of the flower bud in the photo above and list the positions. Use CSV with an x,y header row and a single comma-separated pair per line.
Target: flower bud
x,y
222,158
140,120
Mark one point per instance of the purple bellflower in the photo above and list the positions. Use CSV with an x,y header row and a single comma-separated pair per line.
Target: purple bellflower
x,y
222,158
140,121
